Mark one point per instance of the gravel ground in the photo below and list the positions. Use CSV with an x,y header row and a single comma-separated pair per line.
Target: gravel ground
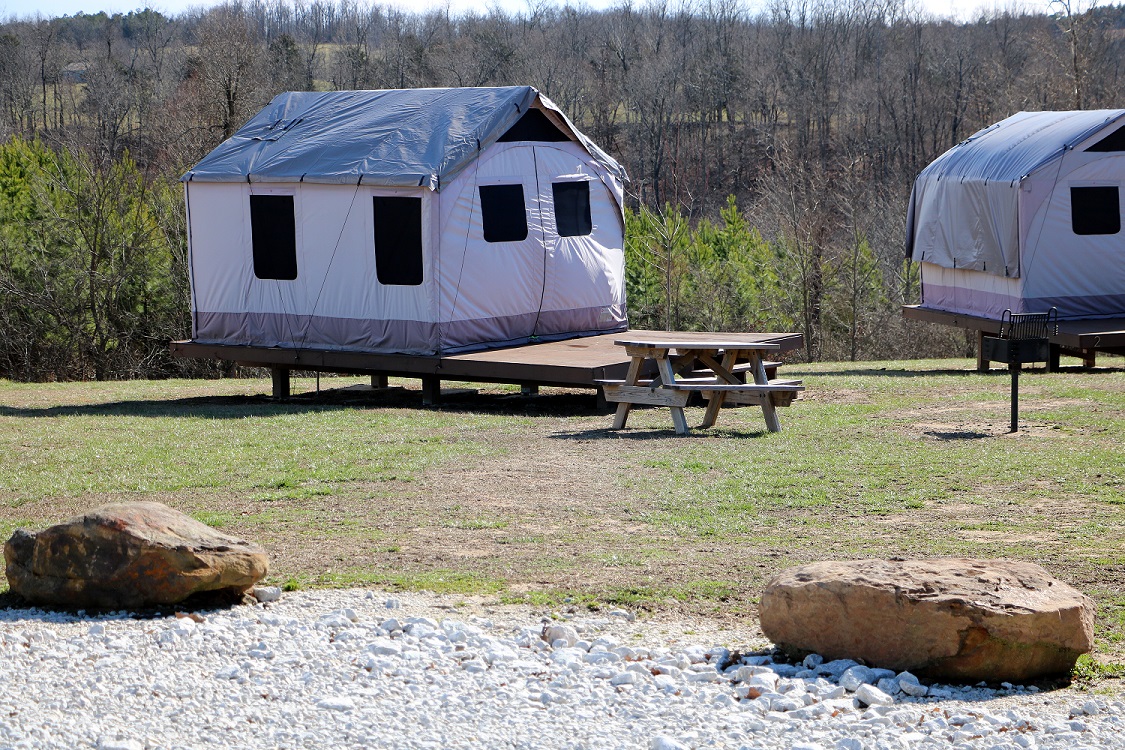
x,y
334,669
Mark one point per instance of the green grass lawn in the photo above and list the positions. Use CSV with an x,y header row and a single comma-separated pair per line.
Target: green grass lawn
x,y
535,499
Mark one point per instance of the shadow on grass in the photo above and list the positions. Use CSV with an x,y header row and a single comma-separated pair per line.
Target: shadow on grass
x,y
515,404
957,434
239,407
660,433
210,407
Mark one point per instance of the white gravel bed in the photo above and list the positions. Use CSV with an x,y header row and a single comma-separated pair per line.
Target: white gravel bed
x,y
360,669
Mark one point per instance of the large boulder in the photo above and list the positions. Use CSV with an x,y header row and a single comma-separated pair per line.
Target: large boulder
x,y
947,618
129,555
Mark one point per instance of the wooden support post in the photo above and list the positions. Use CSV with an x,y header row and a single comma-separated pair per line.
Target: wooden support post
x,y
431,390
529,389
378,381
982,363
601,405
280,376
1088,356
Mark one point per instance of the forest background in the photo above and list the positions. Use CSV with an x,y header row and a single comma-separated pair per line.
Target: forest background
x,y
771,153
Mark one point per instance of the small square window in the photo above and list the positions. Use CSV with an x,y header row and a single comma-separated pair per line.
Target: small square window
x,y
572,208
398,240
503,213
273,232
1095,210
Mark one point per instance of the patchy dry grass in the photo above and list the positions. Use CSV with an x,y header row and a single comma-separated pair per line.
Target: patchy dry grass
x,y
535,499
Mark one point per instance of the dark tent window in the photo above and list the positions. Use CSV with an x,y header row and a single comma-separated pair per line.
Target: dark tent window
x,y
1095,210
1115,141
534,126
503,213
572,208
398,240
273,232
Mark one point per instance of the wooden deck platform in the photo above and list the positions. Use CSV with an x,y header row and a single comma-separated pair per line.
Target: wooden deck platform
x,y
1076,338
573,363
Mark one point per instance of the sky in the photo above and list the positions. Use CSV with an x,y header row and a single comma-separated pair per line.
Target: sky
x,y
959,9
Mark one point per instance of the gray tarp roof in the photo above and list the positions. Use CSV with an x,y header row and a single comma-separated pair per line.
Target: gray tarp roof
x,y
1015,147
400,138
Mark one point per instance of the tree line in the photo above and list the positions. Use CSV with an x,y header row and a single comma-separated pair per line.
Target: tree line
x,y
771,152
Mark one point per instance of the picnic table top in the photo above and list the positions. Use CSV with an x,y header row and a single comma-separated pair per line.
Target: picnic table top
x,y
707,341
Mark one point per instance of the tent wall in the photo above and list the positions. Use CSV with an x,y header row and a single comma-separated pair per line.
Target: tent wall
x,y
473,294
490,291
1083,275
335,302
967,224
545,286
585,273
969,292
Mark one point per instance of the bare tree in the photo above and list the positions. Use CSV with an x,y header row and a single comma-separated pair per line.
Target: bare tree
x,y
228,65
16,82
1075,19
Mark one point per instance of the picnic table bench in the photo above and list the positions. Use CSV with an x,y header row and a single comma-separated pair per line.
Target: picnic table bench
x,y
677,362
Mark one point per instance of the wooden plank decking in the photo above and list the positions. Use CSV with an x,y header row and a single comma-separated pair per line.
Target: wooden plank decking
x,y
573,363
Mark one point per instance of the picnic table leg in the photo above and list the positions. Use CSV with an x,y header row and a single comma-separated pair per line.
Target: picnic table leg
x,y
773,424
664,367
631,378
717,397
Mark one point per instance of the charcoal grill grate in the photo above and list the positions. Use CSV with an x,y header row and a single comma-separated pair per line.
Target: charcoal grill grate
x,y
1024,326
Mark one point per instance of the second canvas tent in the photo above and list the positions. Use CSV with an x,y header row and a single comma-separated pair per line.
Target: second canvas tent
x,y
1025,215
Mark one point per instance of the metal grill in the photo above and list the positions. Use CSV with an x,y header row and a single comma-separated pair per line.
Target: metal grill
x,y
1024,337
1024,326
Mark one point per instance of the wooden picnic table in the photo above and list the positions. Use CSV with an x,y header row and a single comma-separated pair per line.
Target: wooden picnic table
x,y
676,360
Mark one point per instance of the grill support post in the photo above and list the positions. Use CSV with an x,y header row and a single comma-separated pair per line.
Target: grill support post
x,y
1015,368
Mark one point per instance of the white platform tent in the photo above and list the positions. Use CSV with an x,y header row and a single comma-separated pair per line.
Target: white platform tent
x,y
1025,215
422,221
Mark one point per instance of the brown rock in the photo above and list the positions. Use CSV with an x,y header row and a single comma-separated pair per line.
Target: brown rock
x,y
948,618
129,555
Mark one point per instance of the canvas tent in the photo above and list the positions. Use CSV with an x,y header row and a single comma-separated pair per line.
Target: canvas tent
x,y
1025,215
422,221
